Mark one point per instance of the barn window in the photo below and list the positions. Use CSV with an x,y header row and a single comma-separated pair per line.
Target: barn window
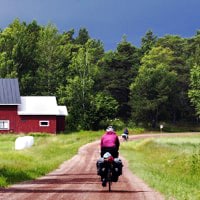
x,y
4,125
44,123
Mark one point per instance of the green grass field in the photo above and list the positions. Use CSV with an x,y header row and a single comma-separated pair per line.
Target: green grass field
x,y
171,165
47,153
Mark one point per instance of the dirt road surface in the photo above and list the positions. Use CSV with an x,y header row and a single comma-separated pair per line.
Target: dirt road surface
x,y
76,179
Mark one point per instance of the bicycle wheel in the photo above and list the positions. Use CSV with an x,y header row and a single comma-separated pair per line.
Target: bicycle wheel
x,y
109,179
109,185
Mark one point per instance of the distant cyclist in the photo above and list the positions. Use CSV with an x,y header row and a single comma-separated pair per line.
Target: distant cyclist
x,y
110,142
125,134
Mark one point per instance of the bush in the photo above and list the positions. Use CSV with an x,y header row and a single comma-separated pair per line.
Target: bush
x,y
134,128
117,124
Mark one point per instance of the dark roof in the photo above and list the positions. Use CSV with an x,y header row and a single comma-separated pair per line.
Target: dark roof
x,y
9,92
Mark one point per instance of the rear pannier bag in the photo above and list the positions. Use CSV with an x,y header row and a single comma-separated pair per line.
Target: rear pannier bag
x,y
118,166
100,166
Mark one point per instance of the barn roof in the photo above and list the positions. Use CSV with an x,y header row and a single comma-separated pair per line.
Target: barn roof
x,y
9,92
41,105
63,110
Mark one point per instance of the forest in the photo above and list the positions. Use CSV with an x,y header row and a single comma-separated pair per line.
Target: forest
x,y
156,82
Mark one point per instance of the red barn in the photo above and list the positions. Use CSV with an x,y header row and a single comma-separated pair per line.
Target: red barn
x,y
28,113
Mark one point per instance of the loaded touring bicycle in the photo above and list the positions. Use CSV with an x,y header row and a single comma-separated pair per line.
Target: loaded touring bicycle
x,y
109,169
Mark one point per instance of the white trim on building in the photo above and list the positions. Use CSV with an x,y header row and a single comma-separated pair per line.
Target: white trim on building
x,y
4,124
44,123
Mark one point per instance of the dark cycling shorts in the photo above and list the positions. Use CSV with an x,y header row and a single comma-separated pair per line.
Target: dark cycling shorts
x,y
112,150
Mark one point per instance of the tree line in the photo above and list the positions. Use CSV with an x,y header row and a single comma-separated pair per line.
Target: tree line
x,y
158,81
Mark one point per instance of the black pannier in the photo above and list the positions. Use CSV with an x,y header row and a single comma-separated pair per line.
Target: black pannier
x,y
100,166
117,168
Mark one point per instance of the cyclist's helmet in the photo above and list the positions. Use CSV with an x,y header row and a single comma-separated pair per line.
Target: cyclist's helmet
x,y
110,128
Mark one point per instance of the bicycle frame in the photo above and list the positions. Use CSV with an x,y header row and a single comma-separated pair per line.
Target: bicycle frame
x,y
109,171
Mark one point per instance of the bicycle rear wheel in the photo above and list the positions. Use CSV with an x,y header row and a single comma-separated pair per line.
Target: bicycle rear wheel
x,y
109,185
109,179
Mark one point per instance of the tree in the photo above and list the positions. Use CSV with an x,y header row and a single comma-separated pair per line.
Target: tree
x,y
78,94
179,106
148,41
158,55
192,50
50,57
174,43
25,57
153,86
150,93
194,91
83,36
9,39
104,108
118,70
18,53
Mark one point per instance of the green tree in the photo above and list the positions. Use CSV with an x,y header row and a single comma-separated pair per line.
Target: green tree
x,y
179,107
153,86
158,55
83,36
9,39
148,41
25,57
78,93
118,71
18,53
192,50
150,93
104,108
194,91
50,57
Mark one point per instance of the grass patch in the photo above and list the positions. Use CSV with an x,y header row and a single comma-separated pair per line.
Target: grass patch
x,y
170,165
181,127
47,153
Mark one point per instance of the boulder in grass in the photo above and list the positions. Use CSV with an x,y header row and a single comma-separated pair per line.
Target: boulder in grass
x,y
24,142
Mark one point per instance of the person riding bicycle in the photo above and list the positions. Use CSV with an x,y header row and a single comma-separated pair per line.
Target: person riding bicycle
x,y
125,134
110,142
126,131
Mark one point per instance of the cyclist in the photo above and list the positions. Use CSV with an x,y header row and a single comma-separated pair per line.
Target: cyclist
x,y
125,134
110,142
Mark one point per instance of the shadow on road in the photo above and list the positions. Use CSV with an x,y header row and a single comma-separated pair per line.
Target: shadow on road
x,y
17,190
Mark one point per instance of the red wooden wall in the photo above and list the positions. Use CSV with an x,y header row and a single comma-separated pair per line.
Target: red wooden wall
x,y
9,113
28,123
60,125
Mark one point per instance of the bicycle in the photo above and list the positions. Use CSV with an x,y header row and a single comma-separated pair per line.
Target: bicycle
x,y
125,137
109,171
109,168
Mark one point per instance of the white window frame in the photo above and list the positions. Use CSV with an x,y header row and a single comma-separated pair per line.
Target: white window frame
x,y
44,121
4,124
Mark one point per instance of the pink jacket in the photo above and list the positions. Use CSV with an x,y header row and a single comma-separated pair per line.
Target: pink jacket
x,y
110,139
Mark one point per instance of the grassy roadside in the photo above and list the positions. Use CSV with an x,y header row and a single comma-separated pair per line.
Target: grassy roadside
x,y
48,152
170,165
